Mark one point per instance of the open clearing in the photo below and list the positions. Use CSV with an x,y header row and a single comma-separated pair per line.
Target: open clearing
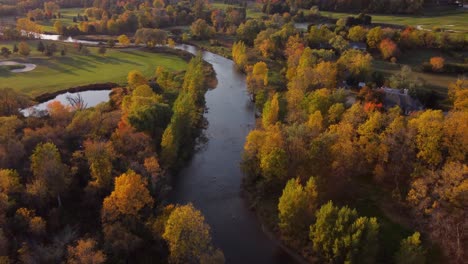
x,y
66,19
58,73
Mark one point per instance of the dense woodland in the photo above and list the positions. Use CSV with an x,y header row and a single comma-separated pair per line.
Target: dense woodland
x,y
333,172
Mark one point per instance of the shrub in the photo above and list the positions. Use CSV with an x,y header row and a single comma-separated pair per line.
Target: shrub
x,y
437,63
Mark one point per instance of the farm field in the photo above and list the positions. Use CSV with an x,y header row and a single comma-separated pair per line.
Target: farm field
x,y
456,20
58,73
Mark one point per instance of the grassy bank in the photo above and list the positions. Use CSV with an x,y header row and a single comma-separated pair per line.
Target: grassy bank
x,y
66,19
57,72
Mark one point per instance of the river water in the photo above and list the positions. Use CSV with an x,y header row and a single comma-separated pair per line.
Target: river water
x,y
211,181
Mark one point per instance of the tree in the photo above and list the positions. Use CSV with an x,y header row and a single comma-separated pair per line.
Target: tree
x,y
339,43
171,43
187,235
388,49
129,198
339,235
11,102
239,55
5,52
123,40
257,78
24,49
271,111
374,36
357,34
150,37
99,156
296,207
85,252
458,94
405,79
58,26
48,169
102,49
437,63
324,75
41,47
135,79
15,48
411,251
51,8
201,30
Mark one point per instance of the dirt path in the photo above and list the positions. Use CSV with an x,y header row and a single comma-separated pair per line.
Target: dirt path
x,y
28,66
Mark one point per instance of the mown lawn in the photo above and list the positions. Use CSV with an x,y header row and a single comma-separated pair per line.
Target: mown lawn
x,y
58,73
456,20
414,58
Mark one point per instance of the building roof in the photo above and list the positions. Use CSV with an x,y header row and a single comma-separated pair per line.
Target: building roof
x,y
394,97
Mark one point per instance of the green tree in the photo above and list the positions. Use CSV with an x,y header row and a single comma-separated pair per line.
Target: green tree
x,y
339,235
296,207
188,235
411,251
99,156
48,169
357,34
271,111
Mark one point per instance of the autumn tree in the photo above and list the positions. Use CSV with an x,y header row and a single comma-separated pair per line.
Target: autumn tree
x,y
99,156
257,78
239,55
411,251
85,251
188,235
458,94
135,79
11,102
437,63
24,49
374,36
150,37
123,40
405,79
388,49
340,235
339,43
129,198
325,75
271,111
296,207
49,171
201,30
357,34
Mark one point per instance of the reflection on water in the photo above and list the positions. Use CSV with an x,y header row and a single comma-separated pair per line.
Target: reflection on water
x,y
212,179
90,99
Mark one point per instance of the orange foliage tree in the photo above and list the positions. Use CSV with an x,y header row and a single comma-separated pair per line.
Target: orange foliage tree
x,y
437,63
388,48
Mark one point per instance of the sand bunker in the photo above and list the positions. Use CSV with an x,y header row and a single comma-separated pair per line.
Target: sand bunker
x,y
27,66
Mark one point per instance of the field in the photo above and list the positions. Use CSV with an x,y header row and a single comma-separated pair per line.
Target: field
x,y
67,19
414,59
58,73
456,20
253,10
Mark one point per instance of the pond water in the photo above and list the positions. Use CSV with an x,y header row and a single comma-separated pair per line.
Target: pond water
x,y
90,99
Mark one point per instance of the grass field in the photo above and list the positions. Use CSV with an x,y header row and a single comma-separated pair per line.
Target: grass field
x,y
58,73
456,20
253,10
67,19
437,82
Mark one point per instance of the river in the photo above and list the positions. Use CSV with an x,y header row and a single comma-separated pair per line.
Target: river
x,y
212,178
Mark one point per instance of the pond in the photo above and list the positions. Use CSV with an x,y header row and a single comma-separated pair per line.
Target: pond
x,y
89,98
